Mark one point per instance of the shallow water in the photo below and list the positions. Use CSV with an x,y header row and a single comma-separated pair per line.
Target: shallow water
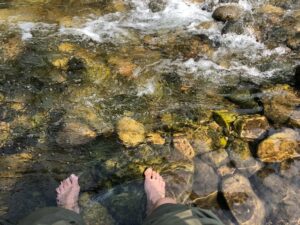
x,y
71,70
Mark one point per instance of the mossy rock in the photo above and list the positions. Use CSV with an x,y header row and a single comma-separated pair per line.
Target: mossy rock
x,y
224,118
279,146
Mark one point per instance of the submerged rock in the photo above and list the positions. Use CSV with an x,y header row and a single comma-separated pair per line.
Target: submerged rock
x,y
242,158
279,103
184,147
251,127
225,13
4,133
156,139
130,132
75,133
279,146
205,182
233,27
244,204
93,212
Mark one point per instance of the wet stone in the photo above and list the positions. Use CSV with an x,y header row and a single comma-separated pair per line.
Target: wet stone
x,y
130,132
251,127
216,158
184,147
233,27
157,5
231,12
93,212
279,103
245,205
4,133
224,118
205,180
74,134
242,158
279,146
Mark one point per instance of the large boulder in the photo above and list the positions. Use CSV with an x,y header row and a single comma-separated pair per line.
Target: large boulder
x,y
251,127
231,12
74,134
245,205
280,102
279,146
130,132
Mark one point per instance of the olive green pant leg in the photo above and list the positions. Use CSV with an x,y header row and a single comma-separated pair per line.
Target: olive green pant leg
x,y
170,214
53,216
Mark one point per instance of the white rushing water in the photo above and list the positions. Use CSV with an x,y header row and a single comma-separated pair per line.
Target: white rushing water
x,y
123,27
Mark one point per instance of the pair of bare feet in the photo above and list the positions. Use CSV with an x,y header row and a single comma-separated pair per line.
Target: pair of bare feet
x,y
68,192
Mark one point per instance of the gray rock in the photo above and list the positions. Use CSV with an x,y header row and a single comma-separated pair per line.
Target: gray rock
x,y
242,158
245,205
157,5
231,12
233,27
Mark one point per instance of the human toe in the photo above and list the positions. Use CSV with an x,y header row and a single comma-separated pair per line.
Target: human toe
x,y
148,172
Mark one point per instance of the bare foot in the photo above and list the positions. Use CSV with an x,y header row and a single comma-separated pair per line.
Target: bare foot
x,y
154,188
67,193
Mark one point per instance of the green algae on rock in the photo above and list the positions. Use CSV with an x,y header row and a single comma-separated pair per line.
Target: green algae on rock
x,y
279,146
245,205
224,118
130,132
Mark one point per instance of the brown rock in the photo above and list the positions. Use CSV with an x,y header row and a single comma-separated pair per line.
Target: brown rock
x,y
280,102
75,133
184,147
270,9
280,146
225,13
130,132
251,127
155,138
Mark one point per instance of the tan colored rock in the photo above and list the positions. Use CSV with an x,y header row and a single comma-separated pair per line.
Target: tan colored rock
x,y
124,66
280,102
184,147
280,146
75,133
66,47
12,48
251,127
244,204
155,138
230,12
61,63
271,9
4,133
130,132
